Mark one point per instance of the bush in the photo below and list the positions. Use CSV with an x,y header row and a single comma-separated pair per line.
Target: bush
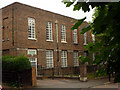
x,y
12,63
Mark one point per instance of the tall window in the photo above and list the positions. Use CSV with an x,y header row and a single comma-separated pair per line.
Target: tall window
x,y
93,38
75,41
63,33
85,53
31,28
85,38
93,56
49,31
63,58
75,55
49,59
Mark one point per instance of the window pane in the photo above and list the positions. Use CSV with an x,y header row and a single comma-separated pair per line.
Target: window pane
x,y
64,58
31,52
63,33
49,31
75,55
75,36
85,38
31,28
49,59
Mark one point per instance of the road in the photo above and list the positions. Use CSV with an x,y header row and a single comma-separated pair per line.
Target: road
x,y
69,83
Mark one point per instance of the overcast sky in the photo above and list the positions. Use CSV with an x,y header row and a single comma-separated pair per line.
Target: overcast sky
x,y
52,5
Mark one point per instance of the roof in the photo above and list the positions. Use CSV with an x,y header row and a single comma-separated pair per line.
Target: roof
x,y
39,9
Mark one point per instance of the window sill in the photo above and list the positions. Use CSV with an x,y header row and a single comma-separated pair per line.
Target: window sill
x,y
63,42
49,40
85,44
32,39
64,67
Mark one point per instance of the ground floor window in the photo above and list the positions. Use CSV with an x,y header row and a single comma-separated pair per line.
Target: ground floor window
x,y
49,59
75,56
33,61
32,52
63,58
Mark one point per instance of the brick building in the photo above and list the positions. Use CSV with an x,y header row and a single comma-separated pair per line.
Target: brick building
x,y
45,37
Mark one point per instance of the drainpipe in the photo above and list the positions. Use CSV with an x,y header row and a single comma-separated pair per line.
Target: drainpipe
x,y
13,25
56,24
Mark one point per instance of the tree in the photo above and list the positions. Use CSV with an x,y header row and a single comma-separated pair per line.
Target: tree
x,y
105,26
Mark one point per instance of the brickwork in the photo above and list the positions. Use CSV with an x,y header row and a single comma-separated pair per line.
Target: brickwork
x,y
15,34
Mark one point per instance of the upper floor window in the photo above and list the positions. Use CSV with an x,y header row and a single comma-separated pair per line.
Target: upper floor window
x,y
85,38
49,31
75,55
49,58
75,41
31,28
93,38
64,58
63,33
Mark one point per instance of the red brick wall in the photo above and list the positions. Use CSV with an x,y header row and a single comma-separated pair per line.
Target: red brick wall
x,y
21,14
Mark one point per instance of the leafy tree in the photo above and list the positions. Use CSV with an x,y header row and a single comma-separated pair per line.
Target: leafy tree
x,y
105,25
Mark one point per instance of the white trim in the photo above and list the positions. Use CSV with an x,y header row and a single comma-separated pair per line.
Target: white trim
x,y
75,36
63,33
75,57
32,38
49,32
49,59
85,38
49,40
32,50
63,42
31,30
63,58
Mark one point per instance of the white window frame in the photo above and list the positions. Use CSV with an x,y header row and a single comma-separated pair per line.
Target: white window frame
x,y
63,58
32,50
49,36
75,36
49,59
63,33
93,38
75,56
33,61
31,28
93,56
85,38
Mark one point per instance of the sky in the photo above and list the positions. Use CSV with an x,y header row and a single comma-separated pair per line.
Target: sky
x,y
55,6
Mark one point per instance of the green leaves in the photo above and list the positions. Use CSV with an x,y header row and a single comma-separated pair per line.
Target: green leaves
x,y
105,27
85,29
78,23
11,63
69,4
84,59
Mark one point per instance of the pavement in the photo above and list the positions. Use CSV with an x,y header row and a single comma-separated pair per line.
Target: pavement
x,y
71,83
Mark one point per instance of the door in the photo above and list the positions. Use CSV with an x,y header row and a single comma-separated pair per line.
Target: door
x,y
33,61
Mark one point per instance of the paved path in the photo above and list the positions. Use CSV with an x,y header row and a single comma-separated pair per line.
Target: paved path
x,y
68,83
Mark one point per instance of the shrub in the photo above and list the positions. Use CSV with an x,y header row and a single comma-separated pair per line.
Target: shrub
x,y
12,63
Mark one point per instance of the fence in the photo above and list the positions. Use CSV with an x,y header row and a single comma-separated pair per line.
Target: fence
x,y
64,71
59,71
23,78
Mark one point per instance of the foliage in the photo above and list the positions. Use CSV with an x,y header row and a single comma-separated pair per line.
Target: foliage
x,y
105,26
13,84
12,63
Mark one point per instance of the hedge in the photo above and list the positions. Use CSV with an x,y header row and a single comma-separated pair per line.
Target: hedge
x,y
12,63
